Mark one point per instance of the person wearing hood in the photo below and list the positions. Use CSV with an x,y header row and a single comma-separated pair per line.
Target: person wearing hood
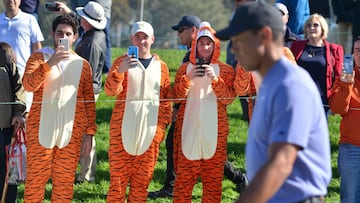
x,y
201,130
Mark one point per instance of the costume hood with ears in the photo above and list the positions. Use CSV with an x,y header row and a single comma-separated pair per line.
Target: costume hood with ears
x,y
205,29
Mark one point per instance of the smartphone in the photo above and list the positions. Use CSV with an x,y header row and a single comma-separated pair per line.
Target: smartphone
x,y
200,70
65,43
50,6
133,51
348,64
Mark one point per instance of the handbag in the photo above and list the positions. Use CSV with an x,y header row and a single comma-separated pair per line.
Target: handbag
x,y
17,158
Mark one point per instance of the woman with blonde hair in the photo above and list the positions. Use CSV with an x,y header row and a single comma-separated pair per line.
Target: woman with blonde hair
x,y
323,60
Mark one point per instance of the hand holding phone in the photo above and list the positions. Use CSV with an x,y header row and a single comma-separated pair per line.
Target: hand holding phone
x,y
348,64
64,42
51,6
133,52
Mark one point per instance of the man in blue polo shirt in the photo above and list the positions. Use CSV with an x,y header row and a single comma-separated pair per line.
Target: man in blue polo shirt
x,y
288,147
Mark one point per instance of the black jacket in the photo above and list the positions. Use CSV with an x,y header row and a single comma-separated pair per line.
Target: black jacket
x,y
290,37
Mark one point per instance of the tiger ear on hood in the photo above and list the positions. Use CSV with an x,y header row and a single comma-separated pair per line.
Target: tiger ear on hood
x,y
205,29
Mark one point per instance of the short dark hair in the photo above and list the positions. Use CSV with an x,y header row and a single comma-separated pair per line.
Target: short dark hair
x,y
68,19
356,39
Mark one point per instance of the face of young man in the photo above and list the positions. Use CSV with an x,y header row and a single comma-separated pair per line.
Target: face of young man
x,y
205,48
144,42
64,31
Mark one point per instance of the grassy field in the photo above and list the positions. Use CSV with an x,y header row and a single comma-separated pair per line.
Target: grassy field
x,y
236,146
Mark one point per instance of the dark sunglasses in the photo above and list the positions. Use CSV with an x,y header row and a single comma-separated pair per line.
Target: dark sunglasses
x,y
316,25
182,29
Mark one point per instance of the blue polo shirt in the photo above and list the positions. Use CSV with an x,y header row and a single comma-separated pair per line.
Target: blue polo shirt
x,y
289,109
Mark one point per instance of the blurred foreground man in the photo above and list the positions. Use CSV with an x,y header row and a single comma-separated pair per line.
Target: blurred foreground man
x,y
288,148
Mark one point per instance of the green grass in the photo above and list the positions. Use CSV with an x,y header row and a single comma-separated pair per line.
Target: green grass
x,y
236,146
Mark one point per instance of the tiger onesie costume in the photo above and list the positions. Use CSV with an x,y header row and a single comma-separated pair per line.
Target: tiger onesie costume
x,y
201,129
137,126
246,83
63,110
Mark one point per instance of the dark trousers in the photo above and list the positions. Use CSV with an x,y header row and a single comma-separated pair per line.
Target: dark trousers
x,y
245,109
170,172
232,173
107,64
5,138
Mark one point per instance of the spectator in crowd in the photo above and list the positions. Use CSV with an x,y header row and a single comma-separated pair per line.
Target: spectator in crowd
x,y
106,4
92,47
345,100
288,147
30,7
12,116
323,60
186,28
63,110
230,59
343,21
321,7
200,139
353,7
289,36
141,113
248,82
22,32
299,11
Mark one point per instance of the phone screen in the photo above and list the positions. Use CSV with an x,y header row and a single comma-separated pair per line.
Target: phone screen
x,y
133,51
348,64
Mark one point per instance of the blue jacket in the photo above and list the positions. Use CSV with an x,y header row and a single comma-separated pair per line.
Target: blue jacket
x,y
298,13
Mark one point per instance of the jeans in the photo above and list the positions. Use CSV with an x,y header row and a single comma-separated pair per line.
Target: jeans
x,y
107,64
349,169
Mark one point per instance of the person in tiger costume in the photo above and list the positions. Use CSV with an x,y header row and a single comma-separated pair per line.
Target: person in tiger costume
x,y
140,116
203,87
247,82
63,111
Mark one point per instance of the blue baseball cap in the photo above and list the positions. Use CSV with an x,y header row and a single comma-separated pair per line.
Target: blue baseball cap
x,y
252,15
187,21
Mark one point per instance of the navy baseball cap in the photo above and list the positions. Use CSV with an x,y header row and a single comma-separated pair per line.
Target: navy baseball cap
x,y
252,15
187,21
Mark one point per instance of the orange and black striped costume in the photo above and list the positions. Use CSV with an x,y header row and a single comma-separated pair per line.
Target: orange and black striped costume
x,y
57,158
201,129
139,119
245,82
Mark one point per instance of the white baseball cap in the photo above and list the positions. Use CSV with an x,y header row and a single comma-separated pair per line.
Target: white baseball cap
x,y
205,32
142,26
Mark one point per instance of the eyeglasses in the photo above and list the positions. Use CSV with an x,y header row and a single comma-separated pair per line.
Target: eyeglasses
x,y
180,30
316,25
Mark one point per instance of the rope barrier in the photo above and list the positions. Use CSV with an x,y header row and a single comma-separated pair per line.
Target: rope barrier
x,y
135,100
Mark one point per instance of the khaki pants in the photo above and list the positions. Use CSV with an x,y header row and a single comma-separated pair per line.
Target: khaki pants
x,y
88,164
